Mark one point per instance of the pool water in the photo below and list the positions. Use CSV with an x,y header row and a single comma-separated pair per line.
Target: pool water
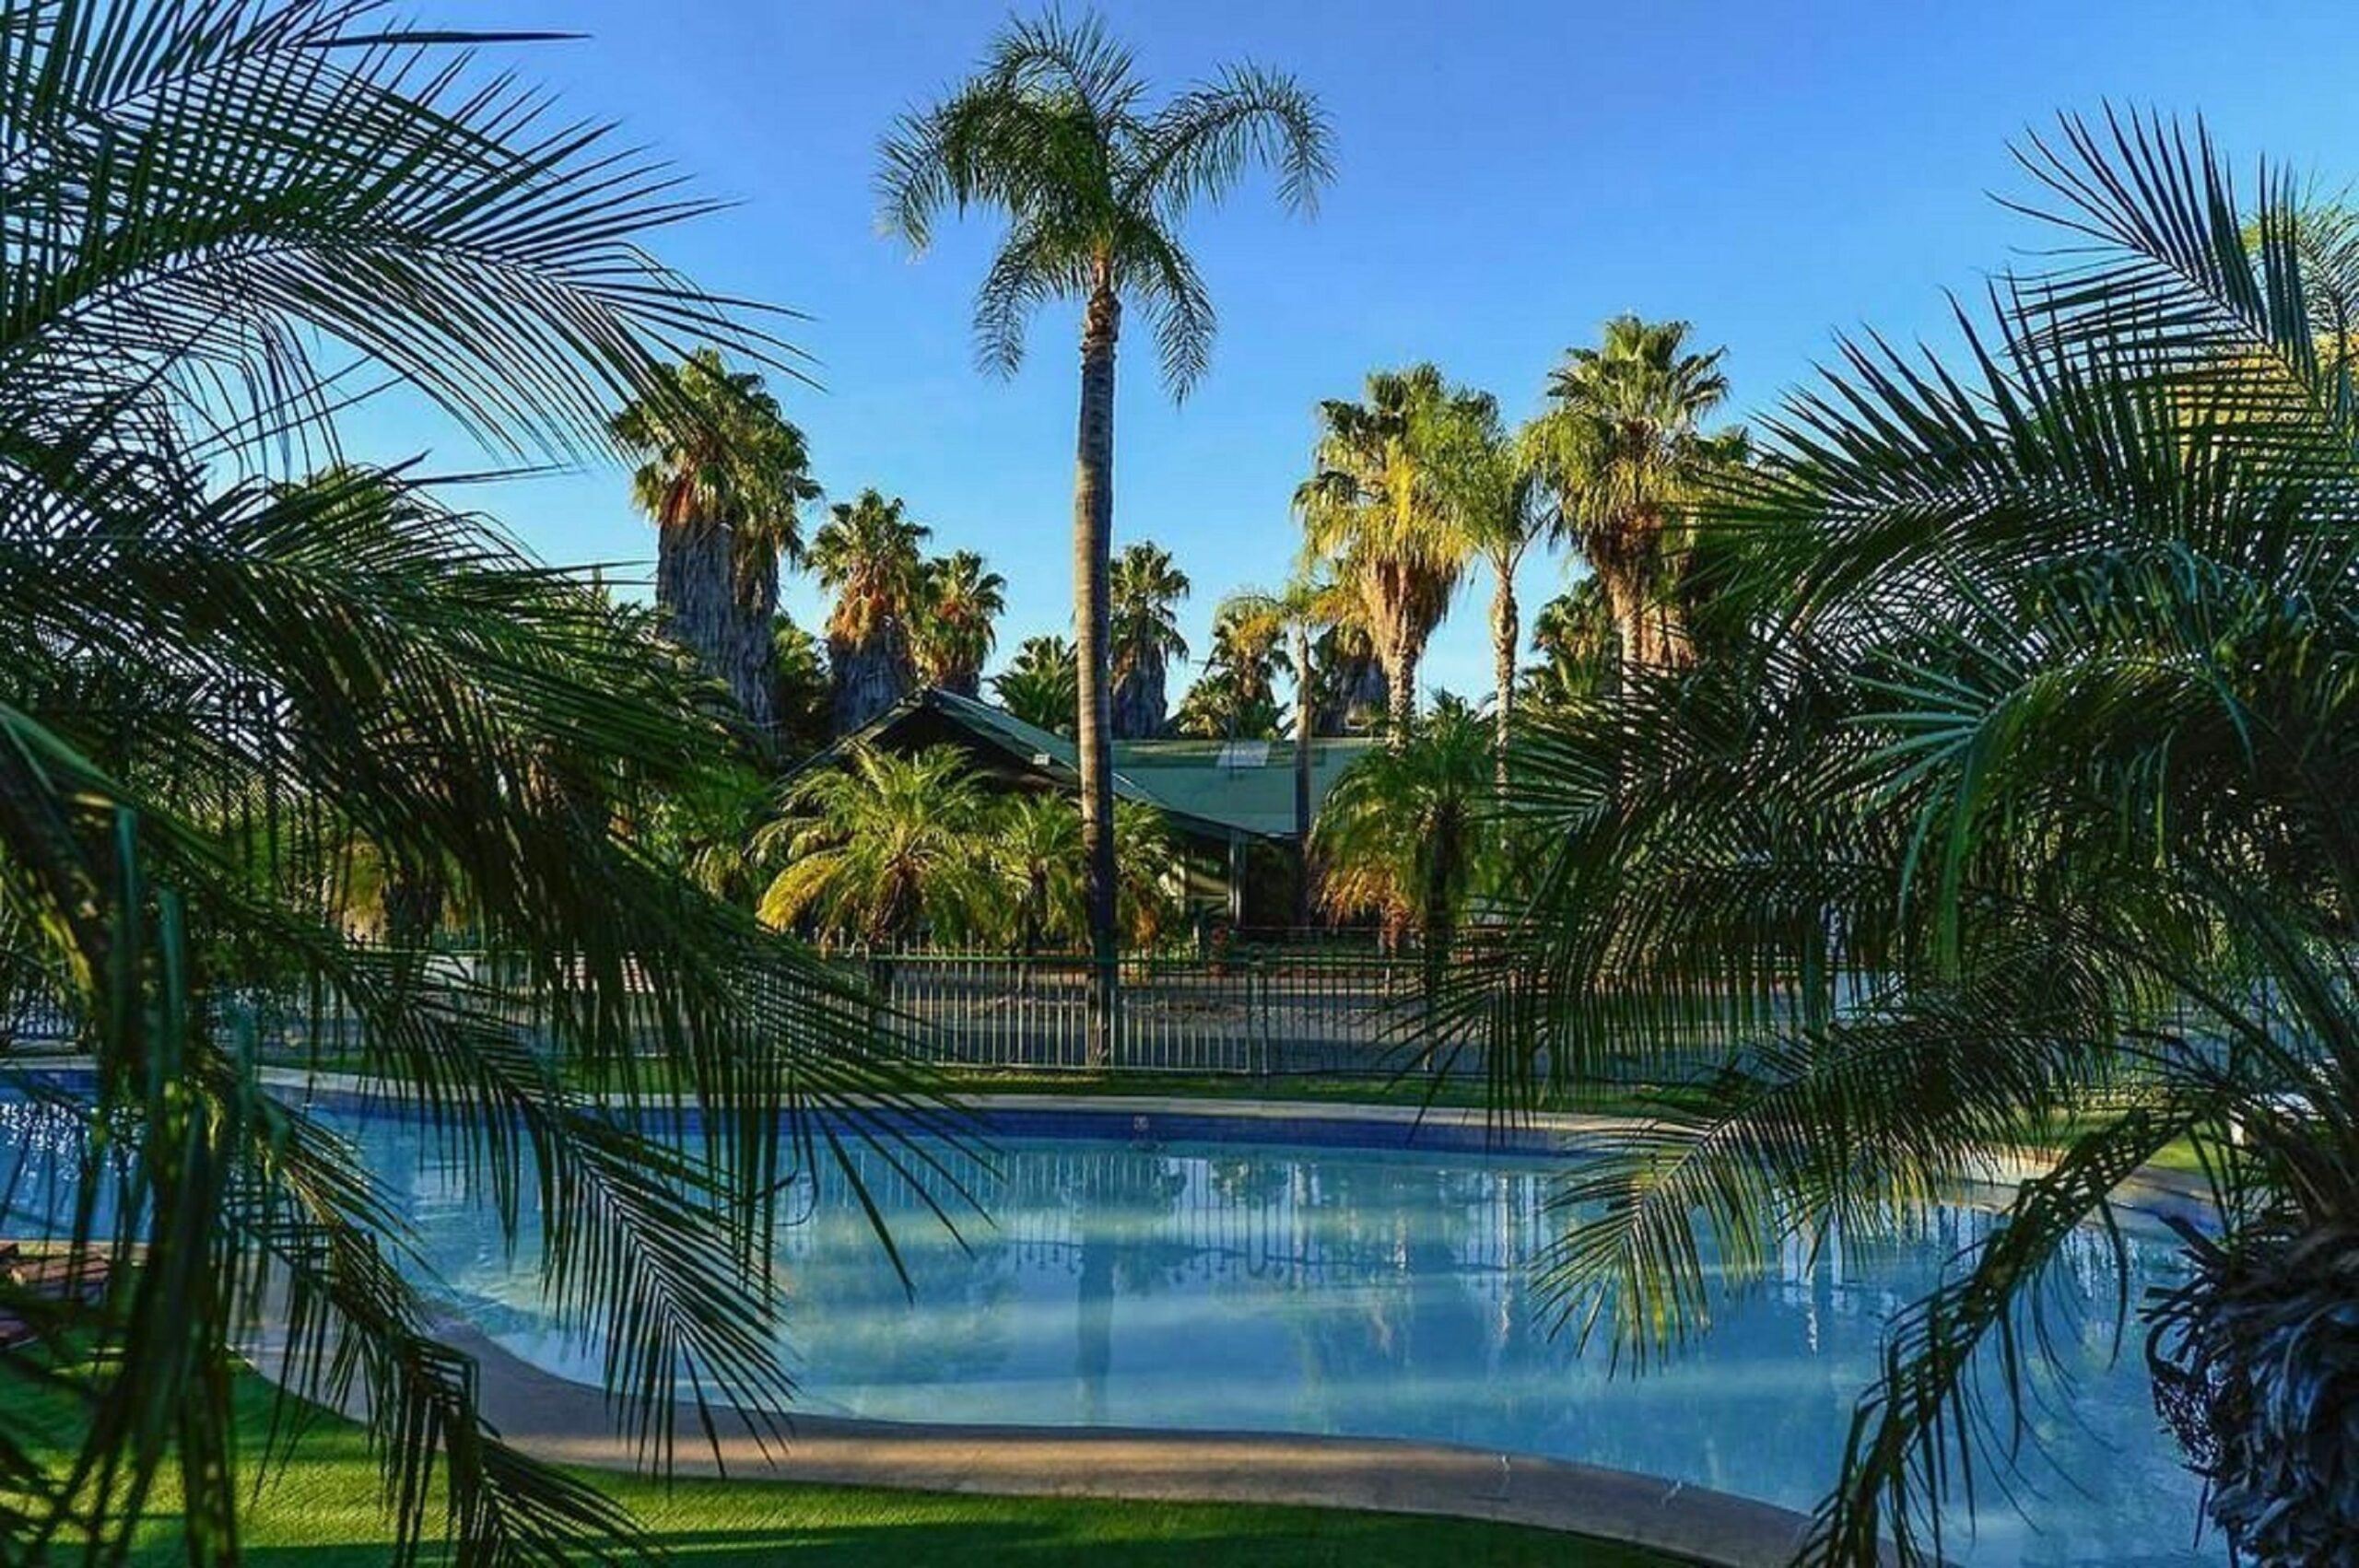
x,y
1373,1294
1364,1293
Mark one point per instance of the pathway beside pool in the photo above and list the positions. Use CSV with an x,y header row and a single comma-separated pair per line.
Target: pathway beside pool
x,y
568,1422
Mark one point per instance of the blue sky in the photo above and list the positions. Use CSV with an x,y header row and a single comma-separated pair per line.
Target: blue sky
x,y
1511,173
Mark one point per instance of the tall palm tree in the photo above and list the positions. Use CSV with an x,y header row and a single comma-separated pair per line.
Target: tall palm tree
x,y
1054,134
1376,513
1041,684
1489,478
1143,630
721,474
1405,833
867,554
956,630
1626,454
213,681
2018,810
1307,608
880,850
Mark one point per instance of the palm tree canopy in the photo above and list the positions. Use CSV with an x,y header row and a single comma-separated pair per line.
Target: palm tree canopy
x,y
1378,510
1041,684
214,682
1405,834
2017,810
953,636
715,448
1035,850
1236,696
1055,133
1626,451
1574,636
868,555
880,848
1147,591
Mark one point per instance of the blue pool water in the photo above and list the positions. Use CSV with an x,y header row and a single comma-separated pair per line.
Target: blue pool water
x,y
1372,1292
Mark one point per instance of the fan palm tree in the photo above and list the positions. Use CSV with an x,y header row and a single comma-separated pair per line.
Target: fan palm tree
x,y
2018,809
1235,697
1054,134
1144,634
1626,454
1574,636
867,554
721,474
955,633
1404,836
1376,512
1041,684
880,850
213,680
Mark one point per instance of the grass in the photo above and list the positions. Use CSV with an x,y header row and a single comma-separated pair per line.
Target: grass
x,y
320,1510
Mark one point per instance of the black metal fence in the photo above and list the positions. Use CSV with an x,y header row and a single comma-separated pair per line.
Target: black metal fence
x,y
1259,1012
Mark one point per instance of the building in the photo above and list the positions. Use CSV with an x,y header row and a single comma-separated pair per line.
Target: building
x,y
1221,798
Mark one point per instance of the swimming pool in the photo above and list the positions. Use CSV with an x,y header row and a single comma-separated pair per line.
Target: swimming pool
x,y
1187,1284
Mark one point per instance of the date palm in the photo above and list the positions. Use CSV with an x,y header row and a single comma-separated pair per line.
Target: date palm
x,y
2017,808
868,555
1041,684
953,634
880,850
1376,512
1626,454
1036,853
1489,479
1405,833
721,474
1143,629
217,221
1055,134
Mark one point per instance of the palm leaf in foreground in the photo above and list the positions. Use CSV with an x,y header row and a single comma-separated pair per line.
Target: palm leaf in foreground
x,y
222,692
2021,815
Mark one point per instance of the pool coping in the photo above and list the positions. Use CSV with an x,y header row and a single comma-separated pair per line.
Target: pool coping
x,y
559,1421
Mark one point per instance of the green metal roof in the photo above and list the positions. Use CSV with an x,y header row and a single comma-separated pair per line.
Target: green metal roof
x,y
1213,788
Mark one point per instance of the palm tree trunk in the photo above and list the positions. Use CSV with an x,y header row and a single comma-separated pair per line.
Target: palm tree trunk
x,y
1632,628
1093,533
1400,696
1506,627
1303,731
751,666
694,595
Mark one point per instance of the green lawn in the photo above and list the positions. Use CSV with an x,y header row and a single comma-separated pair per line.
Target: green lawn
x,y
320,1513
